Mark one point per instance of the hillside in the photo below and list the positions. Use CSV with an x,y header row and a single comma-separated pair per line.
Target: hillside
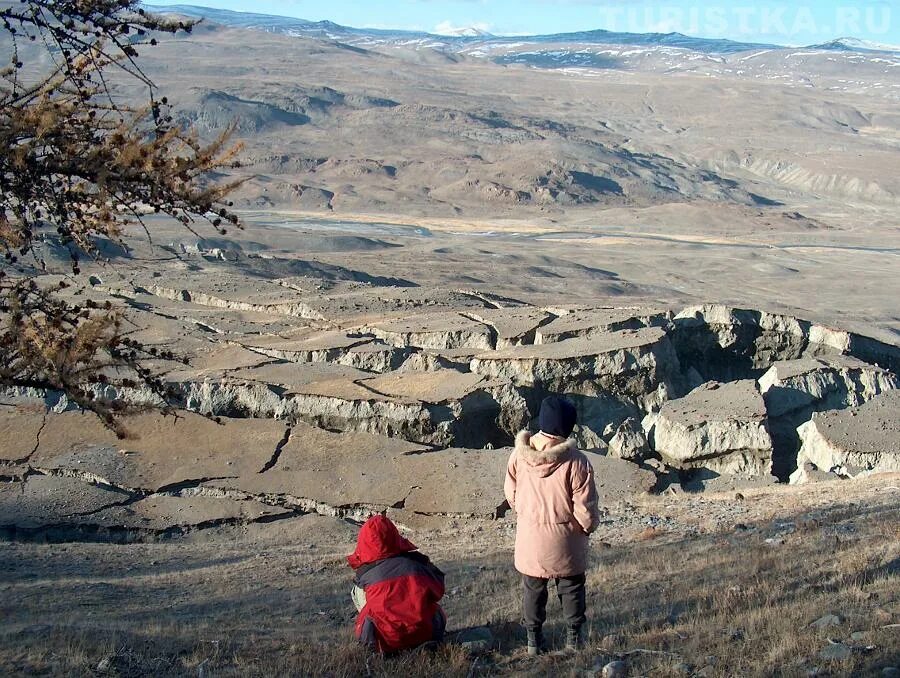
x,y
549,126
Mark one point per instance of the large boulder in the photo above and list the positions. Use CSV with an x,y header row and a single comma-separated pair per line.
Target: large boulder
x,y
629,442
857,441
719,427
795,389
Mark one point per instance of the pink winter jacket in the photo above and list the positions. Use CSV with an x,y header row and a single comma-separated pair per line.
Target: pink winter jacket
x,y
553,493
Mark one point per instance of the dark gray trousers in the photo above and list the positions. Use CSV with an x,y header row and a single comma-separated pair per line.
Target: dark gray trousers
x,y
569,590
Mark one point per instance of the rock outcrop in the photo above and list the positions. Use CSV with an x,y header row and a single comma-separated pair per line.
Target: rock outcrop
x,y
826,383
726,344
860,440
633,364
719,427
436,330
794,390
441,408
589,322
513,326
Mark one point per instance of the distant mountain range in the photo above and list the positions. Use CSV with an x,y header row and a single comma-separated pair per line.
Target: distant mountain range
x,y
467,39
857,45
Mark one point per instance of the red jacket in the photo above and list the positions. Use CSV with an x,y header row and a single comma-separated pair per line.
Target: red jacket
x,y
402,590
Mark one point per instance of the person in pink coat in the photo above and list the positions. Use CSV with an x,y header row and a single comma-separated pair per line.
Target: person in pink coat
x,y
550,485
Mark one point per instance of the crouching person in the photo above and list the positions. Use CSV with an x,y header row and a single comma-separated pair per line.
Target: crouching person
x,y
550,485
396,590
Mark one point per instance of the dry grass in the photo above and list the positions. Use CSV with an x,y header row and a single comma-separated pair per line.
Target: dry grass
x,y
649,534
230,610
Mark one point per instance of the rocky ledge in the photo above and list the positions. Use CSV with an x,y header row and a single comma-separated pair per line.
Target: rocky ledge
x,y
720,427
345,396
857,441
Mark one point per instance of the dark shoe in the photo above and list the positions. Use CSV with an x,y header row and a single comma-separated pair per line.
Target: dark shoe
x,y
573,640
535,642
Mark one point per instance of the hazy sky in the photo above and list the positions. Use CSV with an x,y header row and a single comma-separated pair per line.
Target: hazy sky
x,y
763,20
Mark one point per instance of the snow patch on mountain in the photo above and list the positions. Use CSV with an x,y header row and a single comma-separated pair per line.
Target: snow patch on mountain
x,y
447,28
857,45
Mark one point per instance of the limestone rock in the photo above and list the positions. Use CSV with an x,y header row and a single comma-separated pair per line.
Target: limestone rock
x,y
437,407
599,417
827,383
442,407
794,390
618,479
728,343
428,360
436,330
457,481
513,326
629,442
586,438
864,439
59,508
630,363
227,291
704,480
306,346
322,471
337,347
720,427
222,359
355,474
590,322
375,356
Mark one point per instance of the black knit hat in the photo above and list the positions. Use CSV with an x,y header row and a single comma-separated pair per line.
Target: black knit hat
x,y
557,417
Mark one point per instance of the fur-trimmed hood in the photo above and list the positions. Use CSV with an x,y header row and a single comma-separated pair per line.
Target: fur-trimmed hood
x,y
544,461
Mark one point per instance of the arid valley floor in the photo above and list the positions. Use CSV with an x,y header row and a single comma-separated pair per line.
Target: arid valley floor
x,y
703,252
